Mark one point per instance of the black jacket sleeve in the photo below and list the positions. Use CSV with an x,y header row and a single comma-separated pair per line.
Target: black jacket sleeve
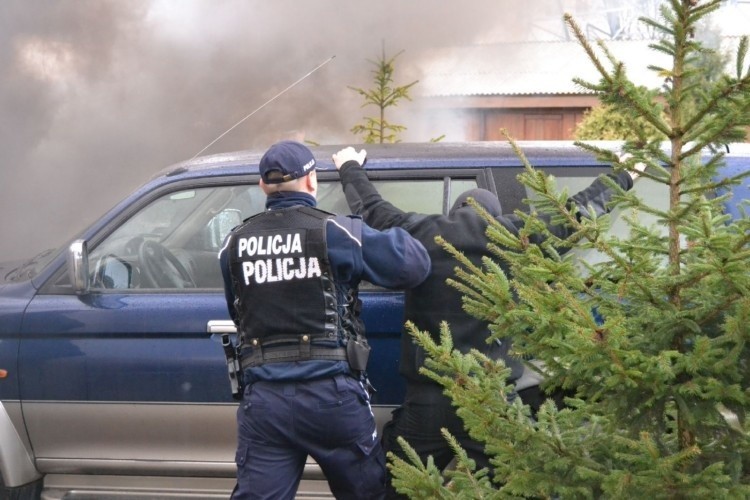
x,y
364,200
599,194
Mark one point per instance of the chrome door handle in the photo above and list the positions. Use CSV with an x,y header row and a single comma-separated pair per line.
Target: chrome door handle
x,y
221,326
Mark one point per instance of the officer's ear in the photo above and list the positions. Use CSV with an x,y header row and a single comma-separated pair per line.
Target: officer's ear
x,y
312,182
265,187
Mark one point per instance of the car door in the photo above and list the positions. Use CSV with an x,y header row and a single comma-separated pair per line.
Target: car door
x,y
127,379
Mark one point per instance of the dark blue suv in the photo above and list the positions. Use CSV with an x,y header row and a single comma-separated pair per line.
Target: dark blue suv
x,y
112,374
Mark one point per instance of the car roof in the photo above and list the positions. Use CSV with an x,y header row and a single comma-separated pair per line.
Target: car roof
x,y
433,155
399,155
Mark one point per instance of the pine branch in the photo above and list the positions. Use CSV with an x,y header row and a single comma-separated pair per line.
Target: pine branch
x,y
415,479
617,87
727,92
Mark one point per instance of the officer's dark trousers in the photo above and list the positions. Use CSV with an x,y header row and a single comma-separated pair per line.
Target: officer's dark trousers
x,y
419,420
330,419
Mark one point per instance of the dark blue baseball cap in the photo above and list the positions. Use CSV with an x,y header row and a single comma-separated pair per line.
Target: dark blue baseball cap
x,y
286,161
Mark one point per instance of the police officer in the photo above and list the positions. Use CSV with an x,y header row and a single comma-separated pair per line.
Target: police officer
x,y
426,410
291,277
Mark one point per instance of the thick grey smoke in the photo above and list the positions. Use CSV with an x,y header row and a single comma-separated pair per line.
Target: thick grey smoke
x,y
97,95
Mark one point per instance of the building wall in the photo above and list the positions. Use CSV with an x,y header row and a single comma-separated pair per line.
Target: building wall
x,y
481,118
530,124
524,117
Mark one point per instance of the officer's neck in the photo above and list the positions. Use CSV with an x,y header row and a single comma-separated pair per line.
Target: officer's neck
x,y
285,199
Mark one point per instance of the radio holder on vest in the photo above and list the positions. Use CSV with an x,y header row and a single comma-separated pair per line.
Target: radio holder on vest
x,y
357,353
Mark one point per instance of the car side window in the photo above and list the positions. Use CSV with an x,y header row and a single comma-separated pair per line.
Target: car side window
x,y
646,188
425,196
173,242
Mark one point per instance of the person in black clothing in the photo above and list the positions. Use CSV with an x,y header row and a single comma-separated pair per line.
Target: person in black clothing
x,y
291,277
426,409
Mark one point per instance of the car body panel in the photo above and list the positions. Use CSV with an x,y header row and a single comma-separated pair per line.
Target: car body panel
x,y
131,383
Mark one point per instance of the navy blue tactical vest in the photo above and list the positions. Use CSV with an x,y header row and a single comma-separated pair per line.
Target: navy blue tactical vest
x,y
285,296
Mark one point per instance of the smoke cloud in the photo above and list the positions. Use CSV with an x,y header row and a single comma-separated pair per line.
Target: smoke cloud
x,y
98,95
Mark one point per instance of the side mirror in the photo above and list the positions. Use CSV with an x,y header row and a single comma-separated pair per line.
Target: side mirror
x,y
78,266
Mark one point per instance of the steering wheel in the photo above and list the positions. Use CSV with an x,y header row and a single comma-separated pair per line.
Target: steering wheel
x,y
160,267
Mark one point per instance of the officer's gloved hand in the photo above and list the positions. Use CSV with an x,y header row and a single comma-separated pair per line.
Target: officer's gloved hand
x,y
349,154
639,167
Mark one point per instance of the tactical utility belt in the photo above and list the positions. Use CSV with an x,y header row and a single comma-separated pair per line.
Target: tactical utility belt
x,y
288,349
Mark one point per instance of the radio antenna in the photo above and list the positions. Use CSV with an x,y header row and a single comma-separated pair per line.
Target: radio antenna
x,y
264,105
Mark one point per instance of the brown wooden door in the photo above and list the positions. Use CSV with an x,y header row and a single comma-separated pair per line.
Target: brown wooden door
x,y
539,127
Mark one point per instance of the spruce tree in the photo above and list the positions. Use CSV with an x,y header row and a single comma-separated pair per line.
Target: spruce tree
x,y
651,341
604,122
383,95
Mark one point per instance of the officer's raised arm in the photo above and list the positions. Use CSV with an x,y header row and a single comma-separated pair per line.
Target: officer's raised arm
x,y
362,196
393,258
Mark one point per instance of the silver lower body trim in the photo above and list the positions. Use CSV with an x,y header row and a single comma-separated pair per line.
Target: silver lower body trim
x,y
105,487
144,468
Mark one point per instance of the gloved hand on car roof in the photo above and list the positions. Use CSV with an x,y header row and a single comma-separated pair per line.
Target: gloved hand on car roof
x,y
639,167
348,154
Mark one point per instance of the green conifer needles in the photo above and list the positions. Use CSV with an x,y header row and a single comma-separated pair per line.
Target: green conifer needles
x,y
652,340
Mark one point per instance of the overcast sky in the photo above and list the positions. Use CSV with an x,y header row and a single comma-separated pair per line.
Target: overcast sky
x,y
97,95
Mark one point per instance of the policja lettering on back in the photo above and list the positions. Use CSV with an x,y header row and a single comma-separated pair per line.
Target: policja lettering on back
x,y
284,267
270,245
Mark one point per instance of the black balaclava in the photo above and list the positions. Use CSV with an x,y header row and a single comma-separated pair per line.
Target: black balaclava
x,y
485,198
